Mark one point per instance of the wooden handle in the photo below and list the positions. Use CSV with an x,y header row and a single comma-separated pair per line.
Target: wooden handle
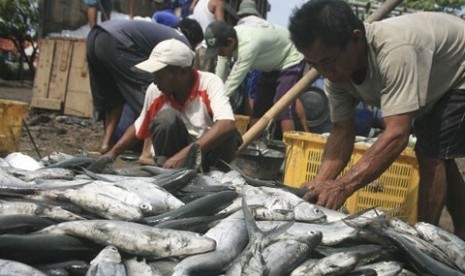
x,y
303,83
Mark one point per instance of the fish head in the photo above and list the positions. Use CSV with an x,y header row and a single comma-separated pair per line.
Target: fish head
x,y
309,212
145,207
109,254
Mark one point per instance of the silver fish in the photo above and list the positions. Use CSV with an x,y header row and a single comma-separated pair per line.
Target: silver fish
x,y
284,255
336,264
107,262
47,173
105,200
250,261
21,161
333,232
420,260
136,238
137,266
388,268
26,207
10,183
231,237
450,244
276,204
402,227
13,268
160,200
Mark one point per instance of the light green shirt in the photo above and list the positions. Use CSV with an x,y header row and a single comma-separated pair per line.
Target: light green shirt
x,y
412,61
263,47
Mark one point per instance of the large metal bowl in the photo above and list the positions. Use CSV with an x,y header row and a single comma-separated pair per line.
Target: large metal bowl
x,y
262,164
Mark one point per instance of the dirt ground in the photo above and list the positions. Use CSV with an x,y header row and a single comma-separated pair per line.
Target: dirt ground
x,y
53,132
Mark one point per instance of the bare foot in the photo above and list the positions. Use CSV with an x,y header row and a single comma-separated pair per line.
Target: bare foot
x,y
146,160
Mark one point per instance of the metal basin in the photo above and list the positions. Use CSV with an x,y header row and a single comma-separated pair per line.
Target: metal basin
x,y
263,164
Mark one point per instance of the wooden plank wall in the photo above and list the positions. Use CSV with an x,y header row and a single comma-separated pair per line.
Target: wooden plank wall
x,y
78,96
62,80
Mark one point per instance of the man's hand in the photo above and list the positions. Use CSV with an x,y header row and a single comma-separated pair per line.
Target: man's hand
x,y
177,160
329,193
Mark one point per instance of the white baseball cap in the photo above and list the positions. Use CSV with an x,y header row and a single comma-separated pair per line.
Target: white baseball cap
x,y
168,52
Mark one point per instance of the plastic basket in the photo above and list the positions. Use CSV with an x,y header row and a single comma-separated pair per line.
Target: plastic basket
x,y
11,122
242,123
395,190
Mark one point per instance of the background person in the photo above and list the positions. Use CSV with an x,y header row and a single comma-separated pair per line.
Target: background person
x,y
411,66
113,48
182,106
205,12
93,6
263,47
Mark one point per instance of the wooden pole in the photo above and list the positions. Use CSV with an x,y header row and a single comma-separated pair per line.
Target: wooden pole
x,y
303,83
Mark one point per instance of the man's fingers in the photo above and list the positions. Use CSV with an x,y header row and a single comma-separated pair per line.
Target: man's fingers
x,y
310,196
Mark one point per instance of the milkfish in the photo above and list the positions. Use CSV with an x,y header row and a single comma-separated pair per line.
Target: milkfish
x,y
193,224
55,157
22,161
204,206
13,268
161,201
250,261
367,253
451,245
136,238
137,266
422,262
386,268
107,262
39,208
36,248
47,173
20,224
282,256
74,162
334,232
105,200
231,237
10,183
73,267
275,204
336,264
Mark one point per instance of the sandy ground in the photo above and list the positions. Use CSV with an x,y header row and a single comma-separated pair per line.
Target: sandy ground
x,y
52,132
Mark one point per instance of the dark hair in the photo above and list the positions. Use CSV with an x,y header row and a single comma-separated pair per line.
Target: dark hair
x,y
331,21
191,30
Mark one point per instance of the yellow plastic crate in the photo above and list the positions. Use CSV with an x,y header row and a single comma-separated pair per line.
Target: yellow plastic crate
x,y
11,122
396,189
242,123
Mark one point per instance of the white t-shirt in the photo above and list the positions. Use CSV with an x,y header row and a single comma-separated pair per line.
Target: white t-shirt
x,y
412,61
206,104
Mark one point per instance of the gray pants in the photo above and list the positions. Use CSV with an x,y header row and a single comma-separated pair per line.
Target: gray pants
x,y
169,135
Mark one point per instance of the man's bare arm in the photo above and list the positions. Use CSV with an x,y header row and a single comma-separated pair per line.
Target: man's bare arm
x,y
381,154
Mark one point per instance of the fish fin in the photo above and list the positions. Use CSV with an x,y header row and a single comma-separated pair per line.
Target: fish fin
x,y
94,175
249,219
194,158
100,164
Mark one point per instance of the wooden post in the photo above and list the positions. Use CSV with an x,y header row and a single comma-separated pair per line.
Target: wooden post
x,y
295,90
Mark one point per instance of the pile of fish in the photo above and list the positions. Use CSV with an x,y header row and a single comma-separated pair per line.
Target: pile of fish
x,y
73,215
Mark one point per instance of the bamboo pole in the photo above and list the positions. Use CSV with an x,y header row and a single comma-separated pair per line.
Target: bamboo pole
x,y
303,83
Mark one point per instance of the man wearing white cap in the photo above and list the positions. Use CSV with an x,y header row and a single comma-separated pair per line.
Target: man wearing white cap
x,y
182,106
